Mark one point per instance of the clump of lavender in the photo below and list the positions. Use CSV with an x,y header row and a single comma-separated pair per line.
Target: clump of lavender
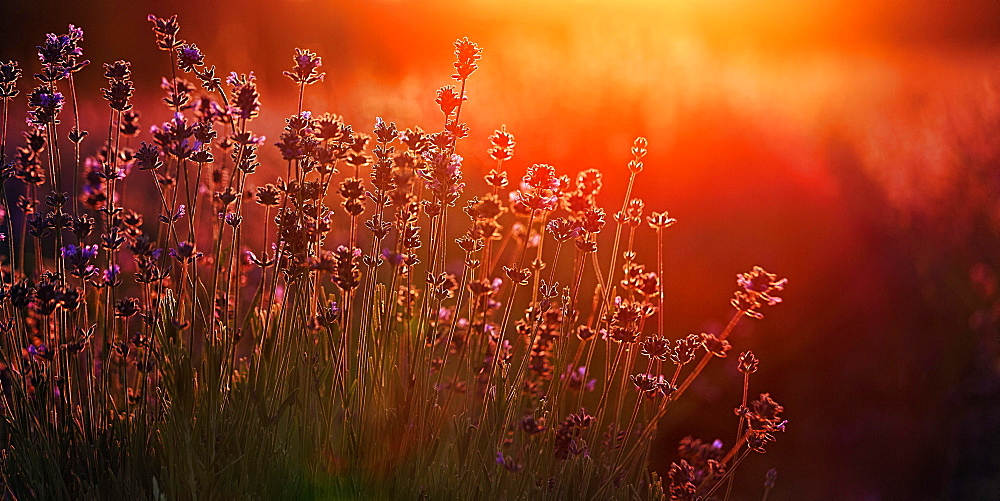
x,y
363,338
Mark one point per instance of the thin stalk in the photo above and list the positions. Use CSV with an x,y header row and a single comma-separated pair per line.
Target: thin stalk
x,y
706,357
731,470
739,427
618,234
507,312
659,273
76,144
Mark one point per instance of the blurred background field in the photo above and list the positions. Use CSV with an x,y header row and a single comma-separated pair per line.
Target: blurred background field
x,y
853,147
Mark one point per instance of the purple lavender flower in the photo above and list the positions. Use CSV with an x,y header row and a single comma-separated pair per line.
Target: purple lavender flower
x,y
120,87
111,276
304,72
166,32
175,137
443,176
233,219
148,157
46,105
508,463
9,73
246,103
59,54
78,258
331,313
126,307
185,252
540,188
40,350
75,255
577,379
189,56
118,70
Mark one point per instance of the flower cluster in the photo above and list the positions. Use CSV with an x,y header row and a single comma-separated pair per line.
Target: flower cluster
x,y
60,55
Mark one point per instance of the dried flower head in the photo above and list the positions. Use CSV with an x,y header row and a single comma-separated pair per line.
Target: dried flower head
x,y
496,179
765,420
638,151
385,132
748,363
593,220
185,252
714,345
652,385
148,157
684,349
682,481
758,288
656,348
532,426
130,123
660,220
568,440
762,284
118,70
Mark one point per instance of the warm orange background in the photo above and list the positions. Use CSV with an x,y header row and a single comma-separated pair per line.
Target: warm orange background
x,y
851,146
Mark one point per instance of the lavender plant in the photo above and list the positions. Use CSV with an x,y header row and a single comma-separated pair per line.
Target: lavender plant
x,y
369,340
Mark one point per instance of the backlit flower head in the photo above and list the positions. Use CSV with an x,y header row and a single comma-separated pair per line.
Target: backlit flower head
x,y
449,100
10,72
189,56
166,32
502,144
304,71
757,289
246,101
466,55
45,106
59,54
